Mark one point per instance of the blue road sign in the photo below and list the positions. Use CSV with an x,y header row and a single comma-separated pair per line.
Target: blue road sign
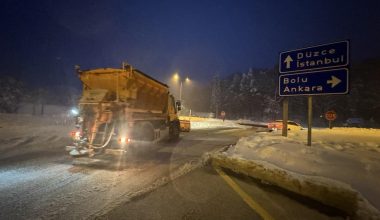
x,y
322,82
334,55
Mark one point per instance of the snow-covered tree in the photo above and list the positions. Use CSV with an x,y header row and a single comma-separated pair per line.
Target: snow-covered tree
x,y
247,95
11,94
231,100
215,95
254,94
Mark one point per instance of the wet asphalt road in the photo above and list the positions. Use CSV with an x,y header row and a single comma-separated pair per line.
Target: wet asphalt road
x,y
48,184
164,181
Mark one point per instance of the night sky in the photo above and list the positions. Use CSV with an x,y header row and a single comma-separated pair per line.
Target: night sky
x,y
41,41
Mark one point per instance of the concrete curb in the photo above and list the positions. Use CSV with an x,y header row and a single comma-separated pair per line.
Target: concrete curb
x,y
327,191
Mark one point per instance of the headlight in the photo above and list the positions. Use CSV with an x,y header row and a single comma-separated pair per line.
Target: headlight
x,y
74,111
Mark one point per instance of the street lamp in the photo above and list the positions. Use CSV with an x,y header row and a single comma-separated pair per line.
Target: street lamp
x,y
187,80
176,77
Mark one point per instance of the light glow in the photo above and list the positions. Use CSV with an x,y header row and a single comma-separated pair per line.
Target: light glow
x,y
76,135
74,111
176,76
124,140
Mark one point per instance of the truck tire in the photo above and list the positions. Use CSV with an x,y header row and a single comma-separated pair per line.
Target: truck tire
x,y
174,130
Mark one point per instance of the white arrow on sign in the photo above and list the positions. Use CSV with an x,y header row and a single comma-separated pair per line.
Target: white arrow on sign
x,y
288,60
334,81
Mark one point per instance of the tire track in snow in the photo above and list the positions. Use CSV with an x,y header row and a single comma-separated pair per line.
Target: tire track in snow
x,y
175,173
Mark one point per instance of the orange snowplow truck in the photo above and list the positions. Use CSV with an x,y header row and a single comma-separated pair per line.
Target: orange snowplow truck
x,y
122,107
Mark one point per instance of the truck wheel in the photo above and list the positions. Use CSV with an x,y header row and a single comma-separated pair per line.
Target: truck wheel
x,y
174,130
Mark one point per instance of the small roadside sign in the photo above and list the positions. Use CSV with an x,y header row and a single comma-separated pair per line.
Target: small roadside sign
x,y
330,115
333,55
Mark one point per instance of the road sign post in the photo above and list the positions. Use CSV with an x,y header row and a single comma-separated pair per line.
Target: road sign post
x,y
223,115
317,70
285,113
309,118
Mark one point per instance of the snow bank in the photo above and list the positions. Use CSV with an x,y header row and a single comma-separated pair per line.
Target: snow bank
x,y
214,123
253,123
341,169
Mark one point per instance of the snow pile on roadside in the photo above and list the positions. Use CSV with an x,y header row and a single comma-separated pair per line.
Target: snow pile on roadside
x,y
341,168
214,123
253,123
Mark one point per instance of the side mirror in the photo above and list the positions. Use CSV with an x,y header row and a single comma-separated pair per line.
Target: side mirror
x,y
178,105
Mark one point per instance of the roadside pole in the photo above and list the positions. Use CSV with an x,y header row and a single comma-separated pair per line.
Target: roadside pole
x,y
310,118
285,111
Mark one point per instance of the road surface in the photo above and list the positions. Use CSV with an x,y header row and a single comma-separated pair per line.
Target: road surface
x,y
167,181
204,194
47,184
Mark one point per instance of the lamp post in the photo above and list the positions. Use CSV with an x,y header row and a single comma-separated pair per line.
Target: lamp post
x,y
176,77
180,91
181,86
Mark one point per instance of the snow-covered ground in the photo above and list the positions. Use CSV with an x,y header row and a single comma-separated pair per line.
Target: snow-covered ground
x,y
214,123
38,180
22,134
343,161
